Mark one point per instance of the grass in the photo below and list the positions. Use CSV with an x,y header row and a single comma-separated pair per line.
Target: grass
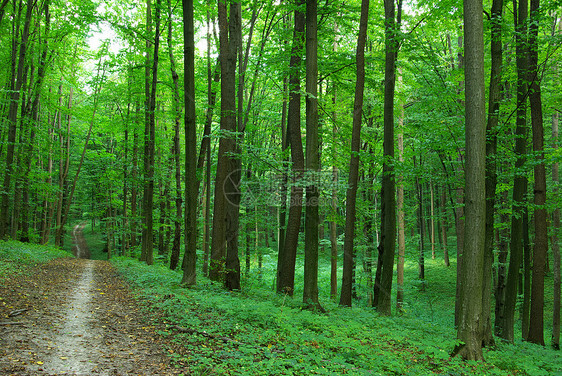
x,y
15,256
258,332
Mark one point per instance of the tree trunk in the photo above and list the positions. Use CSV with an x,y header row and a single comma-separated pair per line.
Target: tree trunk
x,y
443,220
350,216
491,174
388,213
310,288
471,281
536,321
504,323
286,269
149,138
176,149
555,340
224,265
421,229
401,216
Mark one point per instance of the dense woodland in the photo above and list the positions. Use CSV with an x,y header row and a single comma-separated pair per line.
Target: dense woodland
x,y
223,137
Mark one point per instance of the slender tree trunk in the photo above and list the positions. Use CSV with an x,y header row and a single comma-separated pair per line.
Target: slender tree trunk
x,y
310,290
388,192
536,322
443,220
284,178
176,149
504,323
224,260
191,189
401,216
286,269
149,138
471,282
421,229
351,196
555,339
432,219
491,174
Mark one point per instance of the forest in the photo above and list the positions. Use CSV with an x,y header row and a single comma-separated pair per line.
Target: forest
x,y
396,158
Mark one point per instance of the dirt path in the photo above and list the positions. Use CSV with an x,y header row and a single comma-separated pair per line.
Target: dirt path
x,y
80,247
77,318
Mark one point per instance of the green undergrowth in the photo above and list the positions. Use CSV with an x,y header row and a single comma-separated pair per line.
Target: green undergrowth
x,y
16,256
257,332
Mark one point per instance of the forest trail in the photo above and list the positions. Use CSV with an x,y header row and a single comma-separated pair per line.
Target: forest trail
x,y
76,317
80,247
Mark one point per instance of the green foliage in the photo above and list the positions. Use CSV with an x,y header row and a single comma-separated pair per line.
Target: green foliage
x,y
257,332
14,256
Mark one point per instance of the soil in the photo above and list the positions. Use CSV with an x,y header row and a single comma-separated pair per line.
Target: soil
x,y
77,317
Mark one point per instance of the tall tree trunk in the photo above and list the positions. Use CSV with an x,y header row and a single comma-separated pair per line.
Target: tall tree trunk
x,y
225,219
536,321
284,178
351,195
504,323
286,269
443,221
401,216
421,229
491,174
334,201
310,288
176,148
388,213
555,340
432,219
191,189
149,138
471,282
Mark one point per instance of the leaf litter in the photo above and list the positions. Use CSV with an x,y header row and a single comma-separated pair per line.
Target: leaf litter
x,y
76,317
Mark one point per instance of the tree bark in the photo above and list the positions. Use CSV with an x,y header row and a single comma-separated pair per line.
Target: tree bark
x,y
401,216
286,269
150,138
536,320
351,195
471,282
555,339
504,323
388,193
191,188
491,174
223,264
310,288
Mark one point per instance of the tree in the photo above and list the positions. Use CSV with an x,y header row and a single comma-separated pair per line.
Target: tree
x,y
555,341
491,174
310,291
150,136
351,196
536,322
287,256
191,191
387,246
504,324
227,194
471,281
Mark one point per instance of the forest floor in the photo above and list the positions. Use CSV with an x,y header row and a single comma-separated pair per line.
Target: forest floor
x,y
76,317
